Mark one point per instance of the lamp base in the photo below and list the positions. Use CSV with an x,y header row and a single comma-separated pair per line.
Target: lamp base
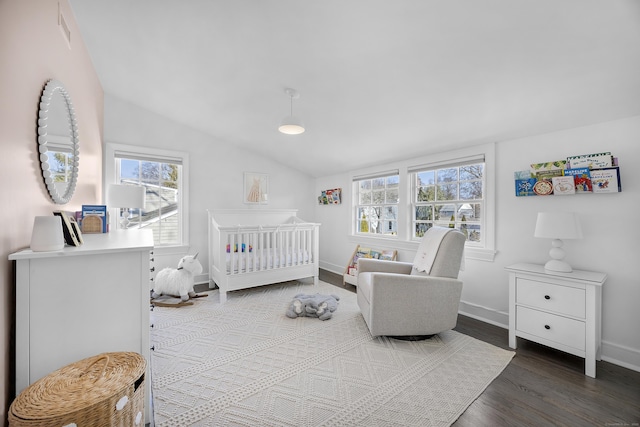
x,y
557,265
124,221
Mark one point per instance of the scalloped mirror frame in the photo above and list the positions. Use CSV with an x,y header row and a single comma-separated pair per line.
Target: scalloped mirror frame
x,y
50,90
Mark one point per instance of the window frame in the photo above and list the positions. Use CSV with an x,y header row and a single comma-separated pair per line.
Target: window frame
x,y
457,222
355,219
404,240
113,151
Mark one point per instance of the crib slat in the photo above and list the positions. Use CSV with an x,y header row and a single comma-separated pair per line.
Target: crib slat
x,y
252,250
232,254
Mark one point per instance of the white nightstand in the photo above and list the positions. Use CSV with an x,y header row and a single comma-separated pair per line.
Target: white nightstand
x,y
559,310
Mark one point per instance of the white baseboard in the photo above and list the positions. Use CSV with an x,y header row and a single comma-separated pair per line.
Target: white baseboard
x,y
621,355
484,314
202,278
333,268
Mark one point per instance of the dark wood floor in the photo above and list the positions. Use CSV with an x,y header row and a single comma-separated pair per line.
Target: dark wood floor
x,y
544,387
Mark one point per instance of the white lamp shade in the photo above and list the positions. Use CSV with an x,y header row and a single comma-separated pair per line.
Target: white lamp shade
x,y
125,196
558,225
47,234
291,125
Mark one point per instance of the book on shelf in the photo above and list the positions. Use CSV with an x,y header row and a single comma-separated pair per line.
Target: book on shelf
x,y
581,179
563,185
557,165
523,174
524,187
366,252
94,219
68,230
547,175
388,255
591,161
606,180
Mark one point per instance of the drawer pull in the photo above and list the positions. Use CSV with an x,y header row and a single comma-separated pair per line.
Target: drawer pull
x,y
547,327
547,297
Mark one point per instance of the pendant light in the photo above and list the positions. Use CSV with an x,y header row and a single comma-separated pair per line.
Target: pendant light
x,y
291,125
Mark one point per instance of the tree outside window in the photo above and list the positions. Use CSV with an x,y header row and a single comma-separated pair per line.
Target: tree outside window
x,y
162,202
377,205
449,197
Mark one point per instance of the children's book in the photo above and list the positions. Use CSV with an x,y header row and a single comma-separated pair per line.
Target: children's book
x,y
94,219
563,185
591,161
524,187
581,179
606,180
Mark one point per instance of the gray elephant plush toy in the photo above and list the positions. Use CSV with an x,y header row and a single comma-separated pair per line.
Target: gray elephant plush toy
x,y
318,305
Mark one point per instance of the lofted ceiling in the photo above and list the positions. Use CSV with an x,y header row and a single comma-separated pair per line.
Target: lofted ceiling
x,y
379,80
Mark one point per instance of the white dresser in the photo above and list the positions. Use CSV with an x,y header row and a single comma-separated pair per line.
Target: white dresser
x,y
560,310
82,301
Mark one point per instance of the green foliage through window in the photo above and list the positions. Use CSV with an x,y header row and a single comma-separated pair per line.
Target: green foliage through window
x,y
377,205
449,197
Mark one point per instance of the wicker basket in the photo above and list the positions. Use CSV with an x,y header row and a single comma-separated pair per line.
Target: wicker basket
x,y
103,390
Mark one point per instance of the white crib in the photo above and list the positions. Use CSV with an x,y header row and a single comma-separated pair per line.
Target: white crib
x,y
255,247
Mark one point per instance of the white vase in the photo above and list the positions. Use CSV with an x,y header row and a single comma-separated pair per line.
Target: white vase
x,y
47,234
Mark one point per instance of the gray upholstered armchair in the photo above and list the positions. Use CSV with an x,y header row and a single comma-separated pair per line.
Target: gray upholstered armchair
x,y
398,300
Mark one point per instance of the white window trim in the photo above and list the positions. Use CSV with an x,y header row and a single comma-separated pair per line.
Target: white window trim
x,y
109,169
404,240
356,191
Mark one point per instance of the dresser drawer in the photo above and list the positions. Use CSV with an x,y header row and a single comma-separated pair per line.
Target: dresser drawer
x,y
548,296
558,329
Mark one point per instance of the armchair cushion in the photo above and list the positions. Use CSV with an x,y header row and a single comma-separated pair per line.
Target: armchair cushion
x,y
429,247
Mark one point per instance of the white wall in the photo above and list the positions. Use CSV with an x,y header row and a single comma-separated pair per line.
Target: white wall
x,y
32,51
216,170
611,242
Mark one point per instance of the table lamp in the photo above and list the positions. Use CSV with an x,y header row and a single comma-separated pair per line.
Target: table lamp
x,y
125,197
47,234
558,226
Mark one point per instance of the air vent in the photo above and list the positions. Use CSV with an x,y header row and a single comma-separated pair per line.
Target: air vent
x,y
64,27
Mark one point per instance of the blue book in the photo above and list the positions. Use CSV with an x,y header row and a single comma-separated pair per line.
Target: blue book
x,y
94,219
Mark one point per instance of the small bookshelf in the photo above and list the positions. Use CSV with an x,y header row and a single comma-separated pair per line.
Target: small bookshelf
x,y
583,174
350,274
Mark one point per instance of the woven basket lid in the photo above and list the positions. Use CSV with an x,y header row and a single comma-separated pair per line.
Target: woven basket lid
x,y
78,386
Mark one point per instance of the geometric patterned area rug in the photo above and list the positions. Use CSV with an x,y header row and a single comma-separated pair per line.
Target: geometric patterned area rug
x,y
244,363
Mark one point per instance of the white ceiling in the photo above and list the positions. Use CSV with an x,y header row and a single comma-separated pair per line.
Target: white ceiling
x,y
379,80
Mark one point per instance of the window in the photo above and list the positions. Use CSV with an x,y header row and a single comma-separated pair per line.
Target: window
x,y
448,189
60,160
162,173
376,210
449,195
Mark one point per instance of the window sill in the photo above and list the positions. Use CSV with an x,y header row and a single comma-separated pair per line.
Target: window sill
x,y
470,252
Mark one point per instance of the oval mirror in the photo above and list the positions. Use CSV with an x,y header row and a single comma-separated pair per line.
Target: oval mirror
x,y
58,142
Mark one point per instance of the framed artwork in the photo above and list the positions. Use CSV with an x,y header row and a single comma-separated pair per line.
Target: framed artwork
x,y
330,197
256,188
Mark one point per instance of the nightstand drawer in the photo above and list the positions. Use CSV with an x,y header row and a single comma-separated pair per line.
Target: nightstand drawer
x,y
558,329
547,296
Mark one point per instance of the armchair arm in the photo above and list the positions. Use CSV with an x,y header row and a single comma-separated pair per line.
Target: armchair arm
x,y
385,266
